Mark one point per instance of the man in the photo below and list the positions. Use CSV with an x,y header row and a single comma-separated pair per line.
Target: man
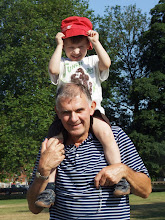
x,y
84,180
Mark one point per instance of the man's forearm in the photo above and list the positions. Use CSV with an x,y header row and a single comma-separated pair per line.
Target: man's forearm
x,y
140,183
35,189
52,154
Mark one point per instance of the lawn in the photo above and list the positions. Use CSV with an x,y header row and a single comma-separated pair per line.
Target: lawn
x,y
152,208
17,209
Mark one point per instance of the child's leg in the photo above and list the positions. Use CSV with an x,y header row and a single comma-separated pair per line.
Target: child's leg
x,y
105,135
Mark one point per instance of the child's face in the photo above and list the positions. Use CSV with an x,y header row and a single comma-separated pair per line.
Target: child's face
x,y
76,51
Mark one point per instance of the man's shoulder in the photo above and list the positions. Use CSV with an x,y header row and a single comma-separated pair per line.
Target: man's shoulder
x,y
92,138
118,132
116,128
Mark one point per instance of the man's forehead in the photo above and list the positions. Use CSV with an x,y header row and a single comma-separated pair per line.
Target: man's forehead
x,y
73,97
79,100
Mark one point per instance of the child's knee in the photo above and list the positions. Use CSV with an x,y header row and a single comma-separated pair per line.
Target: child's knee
x,y
100,126
59,137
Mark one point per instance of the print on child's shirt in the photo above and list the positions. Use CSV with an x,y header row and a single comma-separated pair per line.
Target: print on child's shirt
x,y
82,78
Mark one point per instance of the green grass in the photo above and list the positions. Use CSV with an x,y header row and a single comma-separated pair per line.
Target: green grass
x,y
152,208
17,209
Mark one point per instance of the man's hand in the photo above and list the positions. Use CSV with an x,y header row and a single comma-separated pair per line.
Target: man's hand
x,y
140,183
93,36
52,154
110,175
59,39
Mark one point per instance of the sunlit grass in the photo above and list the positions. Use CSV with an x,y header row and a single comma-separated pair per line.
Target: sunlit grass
x,y
152,208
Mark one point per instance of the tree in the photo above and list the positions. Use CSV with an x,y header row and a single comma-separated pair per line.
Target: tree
x,y
153,41
23,129
136,98
122,28
28,30
148,120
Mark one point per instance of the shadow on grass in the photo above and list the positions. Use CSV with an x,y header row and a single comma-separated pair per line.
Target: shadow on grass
x,y
27,211
12,196
154,211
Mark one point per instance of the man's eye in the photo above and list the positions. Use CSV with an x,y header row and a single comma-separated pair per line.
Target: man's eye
x,y
79,110
65,113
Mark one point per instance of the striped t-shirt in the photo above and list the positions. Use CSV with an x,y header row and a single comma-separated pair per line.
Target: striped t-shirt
x,y
76,195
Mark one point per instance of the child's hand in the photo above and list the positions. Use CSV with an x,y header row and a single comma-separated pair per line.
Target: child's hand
x,y
59,39
93,36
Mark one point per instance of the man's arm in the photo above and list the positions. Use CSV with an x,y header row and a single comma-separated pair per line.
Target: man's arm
x,y
140,183
35,189
51,156
54,63
104,59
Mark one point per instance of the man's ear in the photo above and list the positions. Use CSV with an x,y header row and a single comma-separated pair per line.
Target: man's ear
x,y
93,106
56,111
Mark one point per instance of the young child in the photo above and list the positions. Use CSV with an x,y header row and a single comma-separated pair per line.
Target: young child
x,y
76,38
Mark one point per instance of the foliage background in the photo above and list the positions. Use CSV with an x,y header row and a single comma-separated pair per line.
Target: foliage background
x,y
134,95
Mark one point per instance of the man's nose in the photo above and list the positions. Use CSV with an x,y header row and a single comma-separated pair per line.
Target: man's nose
x,y
73,117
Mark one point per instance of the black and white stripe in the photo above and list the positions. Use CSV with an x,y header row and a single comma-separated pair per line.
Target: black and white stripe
x,y
76,195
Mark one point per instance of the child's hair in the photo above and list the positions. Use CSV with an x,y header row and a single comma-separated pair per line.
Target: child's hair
x,y
77,39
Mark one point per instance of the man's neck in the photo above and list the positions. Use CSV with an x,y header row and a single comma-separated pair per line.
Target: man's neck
x,y
75,140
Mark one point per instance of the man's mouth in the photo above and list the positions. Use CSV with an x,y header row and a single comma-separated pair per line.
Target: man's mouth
x,y
75,126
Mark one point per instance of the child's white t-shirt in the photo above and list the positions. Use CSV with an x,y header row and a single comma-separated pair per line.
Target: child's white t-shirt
x,y
87,71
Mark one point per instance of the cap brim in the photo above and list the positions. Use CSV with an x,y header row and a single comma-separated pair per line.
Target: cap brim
x,y
76,32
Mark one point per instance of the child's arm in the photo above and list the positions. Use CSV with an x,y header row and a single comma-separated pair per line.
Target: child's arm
x,y
104,59
54,63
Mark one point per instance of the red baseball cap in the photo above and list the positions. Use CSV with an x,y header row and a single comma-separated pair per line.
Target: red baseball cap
x,y
74,26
